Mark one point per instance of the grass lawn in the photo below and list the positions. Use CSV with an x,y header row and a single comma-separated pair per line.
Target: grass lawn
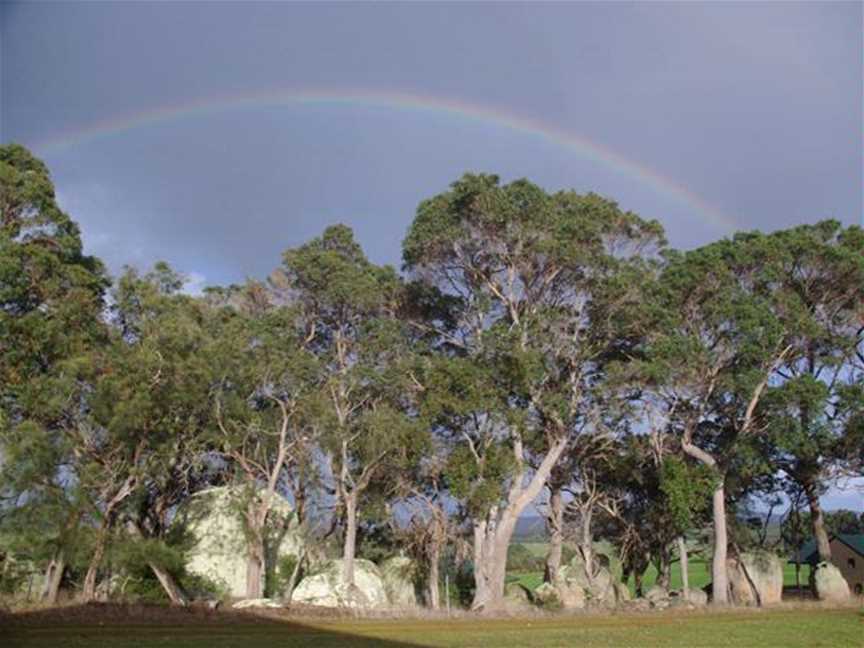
x,y
805,627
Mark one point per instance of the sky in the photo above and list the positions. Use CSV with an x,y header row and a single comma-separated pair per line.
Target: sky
x,y
216,135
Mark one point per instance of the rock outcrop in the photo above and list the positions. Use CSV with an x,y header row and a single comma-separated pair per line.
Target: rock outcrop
x,y
397,573
756,579
560,595
829,583
598,590
213,520
324,587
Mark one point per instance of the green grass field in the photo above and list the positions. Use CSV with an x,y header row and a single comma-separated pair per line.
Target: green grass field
x,y
784,628
699,572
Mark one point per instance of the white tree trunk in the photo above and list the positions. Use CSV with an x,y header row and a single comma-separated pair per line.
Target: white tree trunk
x,y
492,537
556,536
719,574
175,595
53,578
350,545
685,575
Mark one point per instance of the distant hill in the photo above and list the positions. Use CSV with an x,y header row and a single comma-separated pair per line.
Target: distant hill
x,y
530,527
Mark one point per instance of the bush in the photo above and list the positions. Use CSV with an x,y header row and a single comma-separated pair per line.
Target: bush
x,y
520,558
282,576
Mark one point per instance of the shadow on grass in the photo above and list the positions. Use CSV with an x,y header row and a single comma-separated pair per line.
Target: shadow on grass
x,y
143,626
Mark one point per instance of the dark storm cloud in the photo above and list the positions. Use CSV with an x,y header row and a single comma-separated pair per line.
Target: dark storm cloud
x,y
754,107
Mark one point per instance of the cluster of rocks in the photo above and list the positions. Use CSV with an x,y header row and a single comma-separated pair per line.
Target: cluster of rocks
x,y
214,524
574,589
660,598
389,585
754,579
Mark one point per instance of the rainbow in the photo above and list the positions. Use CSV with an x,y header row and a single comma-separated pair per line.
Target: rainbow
x,y
578,144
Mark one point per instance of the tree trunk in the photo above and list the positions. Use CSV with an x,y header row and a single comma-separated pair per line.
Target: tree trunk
x,y
53,578
685,576
295,575
664,568
556,535
492,536
497,569
88,593
255,566
175,595
637,583
818,522
432,578
491,541
481,578
587,546
350,545
719,574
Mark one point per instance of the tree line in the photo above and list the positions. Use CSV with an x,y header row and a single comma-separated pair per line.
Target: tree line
x,y
535,347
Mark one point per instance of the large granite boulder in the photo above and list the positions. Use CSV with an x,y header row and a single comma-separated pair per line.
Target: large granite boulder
x,y
213,520
546,596
599,589
397,573
324,587
560,595
695,597
829,583
754,573
656,598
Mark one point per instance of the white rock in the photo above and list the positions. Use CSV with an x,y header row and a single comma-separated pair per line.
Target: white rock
x,y
765,570
213,519
324,587
397,574
830,584
696,597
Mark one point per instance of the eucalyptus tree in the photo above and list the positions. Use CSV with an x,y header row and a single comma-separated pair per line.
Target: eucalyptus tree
x,y
263,380
366,414
51,298
817,284
140,443
423,496
717,341
534,286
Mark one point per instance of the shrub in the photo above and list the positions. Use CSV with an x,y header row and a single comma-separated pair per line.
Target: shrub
x,y
520,558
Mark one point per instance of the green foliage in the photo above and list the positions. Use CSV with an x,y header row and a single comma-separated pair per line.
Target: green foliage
x,y
520,558
687,487
277,586
527,319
